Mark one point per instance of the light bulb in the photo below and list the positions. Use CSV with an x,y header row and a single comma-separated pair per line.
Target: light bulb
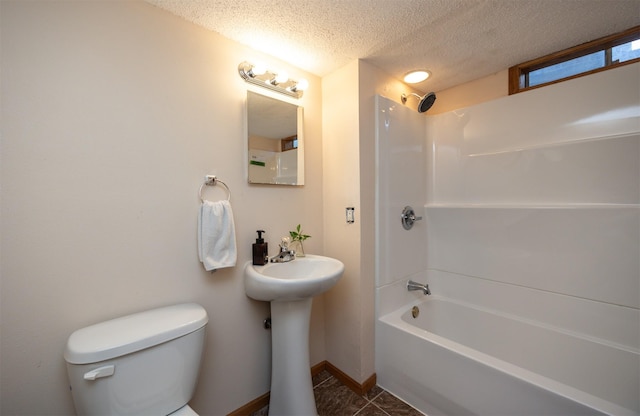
x,y
301,85
258,69
281,77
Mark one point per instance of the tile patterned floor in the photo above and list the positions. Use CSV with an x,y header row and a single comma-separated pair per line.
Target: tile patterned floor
x,y
335,399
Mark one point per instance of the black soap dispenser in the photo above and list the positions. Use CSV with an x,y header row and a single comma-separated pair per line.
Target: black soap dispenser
x,y
260,250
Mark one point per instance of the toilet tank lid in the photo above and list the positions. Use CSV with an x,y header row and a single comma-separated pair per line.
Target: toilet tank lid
x,y
132,333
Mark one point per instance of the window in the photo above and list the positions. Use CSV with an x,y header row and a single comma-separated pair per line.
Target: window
x,y
599,55
289,143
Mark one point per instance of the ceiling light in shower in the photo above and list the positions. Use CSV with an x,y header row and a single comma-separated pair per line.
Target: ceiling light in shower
x,y
414,77
274,80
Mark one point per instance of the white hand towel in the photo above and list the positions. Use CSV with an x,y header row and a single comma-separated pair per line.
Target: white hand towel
x,y
216,235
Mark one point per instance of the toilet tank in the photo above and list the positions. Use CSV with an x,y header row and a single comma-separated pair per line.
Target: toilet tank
x,y
141,364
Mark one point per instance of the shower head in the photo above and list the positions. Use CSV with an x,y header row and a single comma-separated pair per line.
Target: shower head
x,y
425,103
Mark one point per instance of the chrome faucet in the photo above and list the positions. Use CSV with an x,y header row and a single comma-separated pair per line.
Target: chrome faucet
x,y
285,255
411,285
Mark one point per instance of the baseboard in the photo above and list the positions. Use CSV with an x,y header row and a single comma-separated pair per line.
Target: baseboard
x,y
358,388
316,369
252,407
361,389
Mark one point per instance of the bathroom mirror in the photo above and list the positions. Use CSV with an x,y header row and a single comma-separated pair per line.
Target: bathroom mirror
x,y
275,143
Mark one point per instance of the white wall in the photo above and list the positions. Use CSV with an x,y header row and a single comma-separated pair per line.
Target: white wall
x,y
349,181
551,176
471,93
342,189
401,180
112,113
522,152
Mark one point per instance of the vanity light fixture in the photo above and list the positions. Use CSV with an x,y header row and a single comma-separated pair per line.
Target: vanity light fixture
x,y
278,81
414,77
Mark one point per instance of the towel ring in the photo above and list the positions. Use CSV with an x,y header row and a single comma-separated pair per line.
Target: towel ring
x,y
211,180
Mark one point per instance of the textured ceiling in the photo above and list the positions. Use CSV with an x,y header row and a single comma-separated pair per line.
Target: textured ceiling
x,y
457,40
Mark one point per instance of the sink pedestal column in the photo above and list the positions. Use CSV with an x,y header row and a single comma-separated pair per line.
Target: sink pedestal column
x,y
291,385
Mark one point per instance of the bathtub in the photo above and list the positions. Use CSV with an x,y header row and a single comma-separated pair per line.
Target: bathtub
x,y
456,358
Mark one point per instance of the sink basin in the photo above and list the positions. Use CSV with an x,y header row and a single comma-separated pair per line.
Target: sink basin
x,y
299,279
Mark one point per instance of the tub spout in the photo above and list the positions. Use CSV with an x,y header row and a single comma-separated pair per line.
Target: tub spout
x,y
411,285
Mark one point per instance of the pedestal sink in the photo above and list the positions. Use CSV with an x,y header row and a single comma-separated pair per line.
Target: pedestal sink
x,y
290,287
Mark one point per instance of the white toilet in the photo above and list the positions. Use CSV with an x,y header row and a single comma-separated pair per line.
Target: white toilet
x,y
141,364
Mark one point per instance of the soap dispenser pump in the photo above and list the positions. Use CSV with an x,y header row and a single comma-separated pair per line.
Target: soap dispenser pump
x,y
260,250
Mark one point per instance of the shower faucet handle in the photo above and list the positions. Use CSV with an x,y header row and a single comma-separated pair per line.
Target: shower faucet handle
x,y
409,217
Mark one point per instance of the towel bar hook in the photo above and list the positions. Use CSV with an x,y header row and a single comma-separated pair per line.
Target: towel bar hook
x,y
212,180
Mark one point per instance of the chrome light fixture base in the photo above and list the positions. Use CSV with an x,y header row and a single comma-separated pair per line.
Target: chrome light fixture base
x,y
268,80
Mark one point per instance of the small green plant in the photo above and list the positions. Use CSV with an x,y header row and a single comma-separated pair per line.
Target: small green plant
x,y
297,234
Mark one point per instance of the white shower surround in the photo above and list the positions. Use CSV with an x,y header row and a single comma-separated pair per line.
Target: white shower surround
x,y
532,211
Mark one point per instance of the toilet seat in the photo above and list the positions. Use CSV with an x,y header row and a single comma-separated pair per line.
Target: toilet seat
x,y
184,411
